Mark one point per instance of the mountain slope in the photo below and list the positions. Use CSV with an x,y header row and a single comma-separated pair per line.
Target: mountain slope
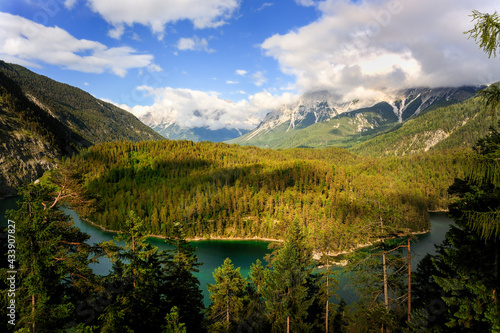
x,y
42,120
456,126
31,140
317,120
93,119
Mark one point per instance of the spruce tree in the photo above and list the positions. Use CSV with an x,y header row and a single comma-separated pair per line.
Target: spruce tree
x,y
51,260
255,320
138,268
468,260
286,291
228,297
181,288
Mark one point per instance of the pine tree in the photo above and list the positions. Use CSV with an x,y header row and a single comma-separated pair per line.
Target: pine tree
x,y
255,320
181,287
138,268
228,297
52,258
173,325
328,283
468,260
286,289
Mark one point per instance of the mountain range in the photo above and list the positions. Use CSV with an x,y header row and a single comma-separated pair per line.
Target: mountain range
x,y
42,120
171,130
318,120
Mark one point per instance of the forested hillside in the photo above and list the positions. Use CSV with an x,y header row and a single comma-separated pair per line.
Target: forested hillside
x,y
219,190
42,120
95,120
453,126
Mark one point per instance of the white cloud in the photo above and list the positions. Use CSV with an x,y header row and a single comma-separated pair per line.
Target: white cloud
x,y
70,3
389,44
28,43
241,72
157,13
258,78
305,3
231,82
192,108
194,44
264,5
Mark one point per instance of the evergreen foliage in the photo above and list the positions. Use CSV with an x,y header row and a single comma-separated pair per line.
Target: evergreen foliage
x,y
227,296
219,190
157,285
52,258
465,270
286,291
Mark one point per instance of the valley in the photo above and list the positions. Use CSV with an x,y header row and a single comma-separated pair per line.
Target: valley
x,y
326,178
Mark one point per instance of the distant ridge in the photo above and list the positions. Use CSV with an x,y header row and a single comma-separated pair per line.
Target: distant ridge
x,y
319,120
94,119
457,126
42,120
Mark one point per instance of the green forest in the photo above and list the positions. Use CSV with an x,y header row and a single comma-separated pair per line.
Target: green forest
x,y
55,290
218,190
315,201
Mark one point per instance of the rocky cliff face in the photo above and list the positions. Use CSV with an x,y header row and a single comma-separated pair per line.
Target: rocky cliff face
x,y
23,157
31,139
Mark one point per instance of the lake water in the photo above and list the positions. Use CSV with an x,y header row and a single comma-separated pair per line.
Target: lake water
x,y
243,253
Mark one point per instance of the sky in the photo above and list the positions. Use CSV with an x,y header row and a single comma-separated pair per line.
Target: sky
x,y
226,63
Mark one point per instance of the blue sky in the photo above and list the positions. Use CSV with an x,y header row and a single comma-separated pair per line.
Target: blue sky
x,y
234,60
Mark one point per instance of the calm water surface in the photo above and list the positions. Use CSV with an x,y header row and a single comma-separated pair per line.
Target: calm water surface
x,y
243,253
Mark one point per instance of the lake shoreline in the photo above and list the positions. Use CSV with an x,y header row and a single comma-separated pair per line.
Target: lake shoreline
x,y
316,255
196,239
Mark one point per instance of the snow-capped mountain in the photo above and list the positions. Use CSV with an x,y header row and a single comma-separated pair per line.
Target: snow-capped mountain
x,y
346,120
170,129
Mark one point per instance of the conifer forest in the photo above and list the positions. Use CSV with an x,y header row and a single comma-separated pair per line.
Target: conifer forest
x,y
311,203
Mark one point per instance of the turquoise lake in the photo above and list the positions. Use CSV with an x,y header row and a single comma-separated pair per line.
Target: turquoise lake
x,y
245,252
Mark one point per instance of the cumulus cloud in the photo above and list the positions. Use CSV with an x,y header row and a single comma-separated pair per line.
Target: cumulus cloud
x,y
194,44
192,108
157,13
241,72
28,43
367,46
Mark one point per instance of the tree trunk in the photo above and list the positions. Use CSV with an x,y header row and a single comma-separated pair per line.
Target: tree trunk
x,y
327,294
495,271
384,267
227,306
33,312
409,279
